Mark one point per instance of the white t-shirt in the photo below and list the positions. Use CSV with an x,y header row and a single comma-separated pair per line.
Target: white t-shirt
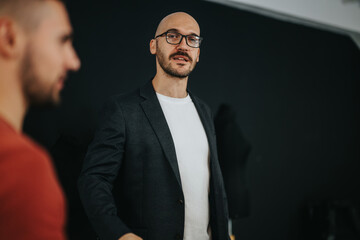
x,y
192,152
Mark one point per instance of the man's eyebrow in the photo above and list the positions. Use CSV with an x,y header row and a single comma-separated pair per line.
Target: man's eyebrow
x,y
67,37
175,30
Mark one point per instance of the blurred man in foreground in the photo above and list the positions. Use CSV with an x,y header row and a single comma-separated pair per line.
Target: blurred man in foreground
x,y
35,55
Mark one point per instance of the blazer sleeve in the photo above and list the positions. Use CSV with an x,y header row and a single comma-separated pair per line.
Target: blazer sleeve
x,y
101,166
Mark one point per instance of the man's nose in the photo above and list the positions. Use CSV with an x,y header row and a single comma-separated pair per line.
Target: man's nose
x,y
182,44
73,61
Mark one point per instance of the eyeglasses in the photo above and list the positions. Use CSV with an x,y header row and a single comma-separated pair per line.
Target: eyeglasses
x,y
175,38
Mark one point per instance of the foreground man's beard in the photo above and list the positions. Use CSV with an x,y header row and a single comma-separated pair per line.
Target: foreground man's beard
x,y
171,71
36,90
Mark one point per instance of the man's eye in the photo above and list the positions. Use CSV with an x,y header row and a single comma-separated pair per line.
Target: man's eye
x,y
173,35
192,39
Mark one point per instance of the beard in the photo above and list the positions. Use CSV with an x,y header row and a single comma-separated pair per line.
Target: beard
x,y
35,88
168,69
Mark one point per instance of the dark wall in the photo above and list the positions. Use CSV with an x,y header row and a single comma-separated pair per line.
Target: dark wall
x,y
295,90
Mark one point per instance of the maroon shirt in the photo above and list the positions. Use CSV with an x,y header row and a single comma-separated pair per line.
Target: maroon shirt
x,y
32,203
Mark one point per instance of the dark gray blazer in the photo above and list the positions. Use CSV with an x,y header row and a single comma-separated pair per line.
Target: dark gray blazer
x,y
130,180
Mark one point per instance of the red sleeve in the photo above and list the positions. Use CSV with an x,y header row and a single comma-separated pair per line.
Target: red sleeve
x,y
31,200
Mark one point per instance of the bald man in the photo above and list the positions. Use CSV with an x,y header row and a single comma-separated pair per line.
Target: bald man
x,y
35,55
152,171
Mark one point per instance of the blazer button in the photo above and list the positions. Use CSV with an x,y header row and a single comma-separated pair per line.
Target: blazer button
x,y
178,236
181,201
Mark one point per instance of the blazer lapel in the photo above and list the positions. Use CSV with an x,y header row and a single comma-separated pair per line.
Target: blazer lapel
x,y
206,119
156,117
206,122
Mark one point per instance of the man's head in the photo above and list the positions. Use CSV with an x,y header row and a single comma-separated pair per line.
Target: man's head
x,y
36,45
176,59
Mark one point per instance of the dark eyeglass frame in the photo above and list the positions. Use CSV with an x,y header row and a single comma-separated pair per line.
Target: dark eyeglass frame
x,y
186,38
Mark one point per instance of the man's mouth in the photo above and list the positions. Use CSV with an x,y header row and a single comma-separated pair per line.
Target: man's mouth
x,y
61,81
181,57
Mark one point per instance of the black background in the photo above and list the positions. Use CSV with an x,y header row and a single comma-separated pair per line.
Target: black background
x,y
295,90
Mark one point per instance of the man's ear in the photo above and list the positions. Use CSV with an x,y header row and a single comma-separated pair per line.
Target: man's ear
x,y
153,46
198,57
8,38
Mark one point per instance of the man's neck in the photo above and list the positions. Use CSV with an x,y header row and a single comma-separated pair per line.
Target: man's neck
x,y
170,86
13,105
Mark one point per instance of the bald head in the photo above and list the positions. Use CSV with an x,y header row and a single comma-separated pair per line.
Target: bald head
x,y
27,13
174,20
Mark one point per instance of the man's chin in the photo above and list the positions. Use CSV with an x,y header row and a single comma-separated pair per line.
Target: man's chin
x,y
178,74
47,103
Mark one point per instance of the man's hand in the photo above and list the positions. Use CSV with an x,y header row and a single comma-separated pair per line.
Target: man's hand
x,y
130,236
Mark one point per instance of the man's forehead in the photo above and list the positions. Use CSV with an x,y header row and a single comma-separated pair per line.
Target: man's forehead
x,y
57,18
180,21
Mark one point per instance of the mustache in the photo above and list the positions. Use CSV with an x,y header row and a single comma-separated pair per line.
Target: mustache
x,y
180,54
63,77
